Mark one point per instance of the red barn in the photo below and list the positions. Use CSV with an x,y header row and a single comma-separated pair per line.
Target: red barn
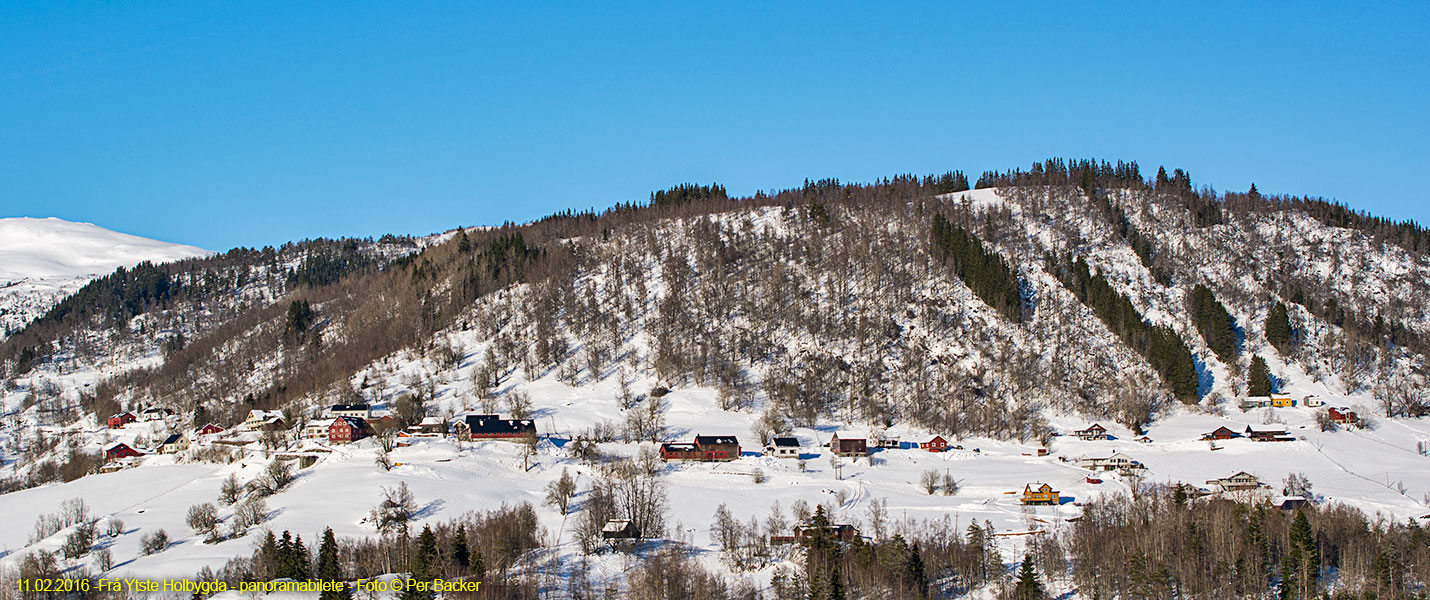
x,y
845,443
209,429
348,429
705,448
121,419
937,444
1221,433
120,450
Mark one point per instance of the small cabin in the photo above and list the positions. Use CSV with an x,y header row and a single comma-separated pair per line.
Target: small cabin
x,y
317,430
120,420
208,429
1221,433
429,425
1282,401
847,443
1312,401
1095,432
344,430
120,450
1040,493
937,444
783,447
174,444
620,529
1255,402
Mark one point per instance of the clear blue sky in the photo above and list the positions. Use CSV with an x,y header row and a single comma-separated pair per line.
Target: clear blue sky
x,y
252,123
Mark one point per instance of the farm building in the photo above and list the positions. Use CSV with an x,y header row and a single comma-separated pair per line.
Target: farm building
x,y
208,429
937,444
1268,435
1221,433
1344,416
620,529
492,427
704,448
1117,462
847,443
121,419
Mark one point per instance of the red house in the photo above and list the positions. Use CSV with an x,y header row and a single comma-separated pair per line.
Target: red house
x,y
1344,416
121,419
209,429
120,450
348,429
937,444
1221,433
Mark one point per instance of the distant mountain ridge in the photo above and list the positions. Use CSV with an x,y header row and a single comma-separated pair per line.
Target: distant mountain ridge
x,y
44,259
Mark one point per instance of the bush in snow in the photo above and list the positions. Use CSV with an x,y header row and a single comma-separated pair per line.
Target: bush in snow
x,y
154,542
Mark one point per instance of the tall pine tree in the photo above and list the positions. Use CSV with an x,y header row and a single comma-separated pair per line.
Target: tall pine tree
x,y
1028,587
329,569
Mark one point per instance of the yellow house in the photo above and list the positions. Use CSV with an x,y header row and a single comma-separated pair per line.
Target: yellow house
x,y
1040,493
1282,401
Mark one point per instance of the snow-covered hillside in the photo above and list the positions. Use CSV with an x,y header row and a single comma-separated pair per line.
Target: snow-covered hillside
x,y
808,316
42,260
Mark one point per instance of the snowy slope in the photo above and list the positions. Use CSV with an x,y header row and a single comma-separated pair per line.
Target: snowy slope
x,y
41,260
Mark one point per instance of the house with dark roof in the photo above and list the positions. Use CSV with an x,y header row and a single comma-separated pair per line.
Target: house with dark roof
x,y
705,448
1268,435
361,410
1040,493
174,443
348,429
1220,433
120,450
120,420
493,427
783,447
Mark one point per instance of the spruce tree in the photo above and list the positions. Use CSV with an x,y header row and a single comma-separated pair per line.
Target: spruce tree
x,y
423,567
1028,588
461,554
1258,381
329,569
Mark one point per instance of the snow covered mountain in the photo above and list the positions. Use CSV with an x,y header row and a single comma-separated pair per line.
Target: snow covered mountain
x,y
42,260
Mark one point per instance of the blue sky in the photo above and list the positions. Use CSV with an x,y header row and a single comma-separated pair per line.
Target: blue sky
x,y
247,124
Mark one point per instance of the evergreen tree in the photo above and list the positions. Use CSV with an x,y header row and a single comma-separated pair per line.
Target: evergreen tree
x,y
1258,381
461,554
423,566
1028,588
329,569
914,572
821,559
984,271
1278,328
